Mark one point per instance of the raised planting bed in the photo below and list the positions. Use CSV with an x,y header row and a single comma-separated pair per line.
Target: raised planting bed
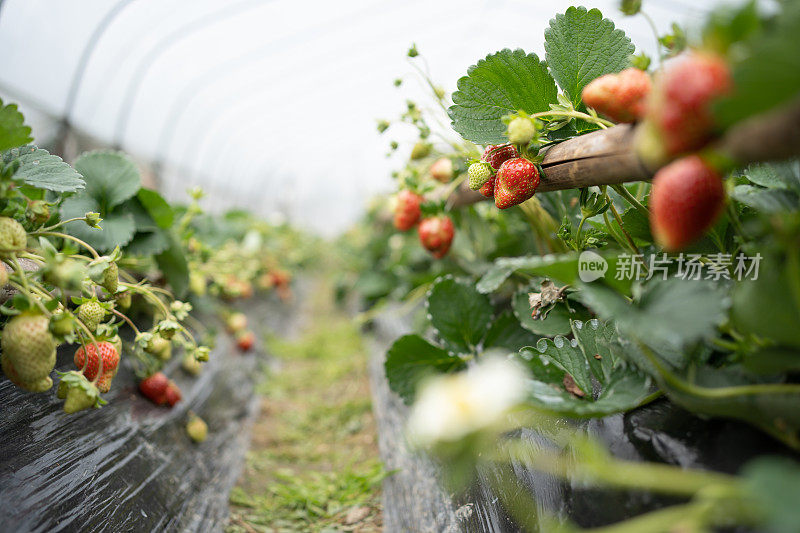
x,y
414,500
130,465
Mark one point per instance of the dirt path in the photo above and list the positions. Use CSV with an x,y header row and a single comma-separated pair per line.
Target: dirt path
x,y
313,463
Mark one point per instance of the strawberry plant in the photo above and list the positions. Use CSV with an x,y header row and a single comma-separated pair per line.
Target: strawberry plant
x,y
656,257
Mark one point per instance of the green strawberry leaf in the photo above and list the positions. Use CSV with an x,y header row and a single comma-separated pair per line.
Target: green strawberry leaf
x,y
111,178
562,268
773,56
459,313
774,482
506,332
580,46
172,262
555,323
13,131
148,243
117,228
567,356
504,82
766,200
157,207
778,175
43,170
410,359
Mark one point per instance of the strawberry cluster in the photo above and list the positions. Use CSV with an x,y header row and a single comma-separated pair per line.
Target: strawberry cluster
x,y
435,232
503,175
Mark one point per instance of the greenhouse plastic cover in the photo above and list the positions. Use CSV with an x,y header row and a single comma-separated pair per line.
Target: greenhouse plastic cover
x,y
269,105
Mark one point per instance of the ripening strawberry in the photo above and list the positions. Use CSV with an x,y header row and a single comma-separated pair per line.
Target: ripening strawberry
x,y
442,170
407,211
436,235
245,340
687,197
679,118
154,388
497,154
110,358
197,429
29,352
487,189
516,181
621,96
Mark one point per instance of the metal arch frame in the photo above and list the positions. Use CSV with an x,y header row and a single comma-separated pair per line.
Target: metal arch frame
x,y
80,70
207,79
164,45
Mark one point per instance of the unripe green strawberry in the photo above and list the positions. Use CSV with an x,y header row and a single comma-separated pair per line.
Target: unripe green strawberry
x,y
521,130
111,278
191,365
197,429
160,347
236,322
197,283
38,212
621,97
13,237
679,111
29,352
78,392
110,357
91,313
420,150
687,197
123,300
479,173
62,324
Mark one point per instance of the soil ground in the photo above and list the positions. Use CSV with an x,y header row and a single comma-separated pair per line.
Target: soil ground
x,y
313,463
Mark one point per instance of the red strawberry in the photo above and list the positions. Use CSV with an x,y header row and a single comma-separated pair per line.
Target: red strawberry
x,y
687,197
245,340
621,97
436,234
679,117
280,278
154,388
173,394
516,181
487,189
497,154
442,170
407,211
110,357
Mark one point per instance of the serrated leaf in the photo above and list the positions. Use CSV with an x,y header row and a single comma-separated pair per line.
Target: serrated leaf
x,y
506,332
581,45
147,243
410,359
43,170
459,313
568,357
773,56
562,268
593,337
504,82
669,315
766,200
556,322
13,131
157,207
117,229
782,175
111,177
774,482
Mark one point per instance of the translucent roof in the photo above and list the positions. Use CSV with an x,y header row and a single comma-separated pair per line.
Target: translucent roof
x,y
268,104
